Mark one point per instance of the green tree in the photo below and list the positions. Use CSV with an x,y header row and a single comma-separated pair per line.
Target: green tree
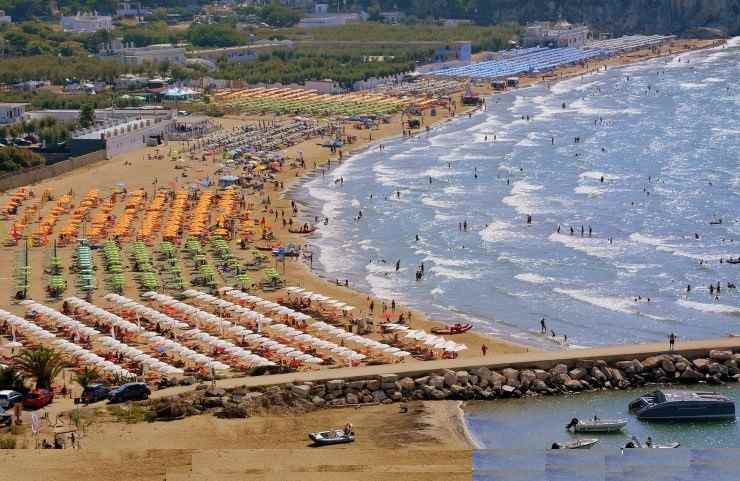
x,y
40,363
87,115
86,377
278,15
11,379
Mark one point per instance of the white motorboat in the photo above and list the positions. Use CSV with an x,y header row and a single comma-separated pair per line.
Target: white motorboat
x,y
585,443
635,443
596,425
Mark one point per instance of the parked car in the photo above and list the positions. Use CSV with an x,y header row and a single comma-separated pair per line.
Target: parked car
x,y
94,393
8,398
5,418
38,398
133,391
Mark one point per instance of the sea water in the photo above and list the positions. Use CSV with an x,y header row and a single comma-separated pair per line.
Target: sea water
x,y
656,163
514,436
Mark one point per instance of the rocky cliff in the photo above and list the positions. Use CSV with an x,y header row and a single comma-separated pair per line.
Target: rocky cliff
x,y
628,16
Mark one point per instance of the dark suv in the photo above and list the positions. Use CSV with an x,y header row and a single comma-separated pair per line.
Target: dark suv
x,y
94,393
133,391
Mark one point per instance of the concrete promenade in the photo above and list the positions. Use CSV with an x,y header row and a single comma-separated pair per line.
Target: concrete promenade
x,y
540,359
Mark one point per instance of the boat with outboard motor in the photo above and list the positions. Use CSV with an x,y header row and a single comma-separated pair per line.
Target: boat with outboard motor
x,y
596,425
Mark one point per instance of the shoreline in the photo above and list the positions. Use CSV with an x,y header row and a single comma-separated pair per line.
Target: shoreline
x,y
567,73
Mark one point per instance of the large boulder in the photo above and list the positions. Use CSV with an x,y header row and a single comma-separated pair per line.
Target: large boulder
x,y
559,369
573,385
577,373
352,398
720,356
497,380
379,395
335,385
668,366
436,381
717,369
481,372
373,384
626,366
541,374
701,364
681,366
540,386
510,374
301,390
437,394
407,384
527,377
654,361
450,378
463,377
690,375
357,385
421,381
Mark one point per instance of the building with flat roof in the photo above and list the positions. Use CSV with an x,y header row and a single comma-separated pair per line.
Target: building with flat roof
x,y
86,23
556,34
154,54
5,18
11,113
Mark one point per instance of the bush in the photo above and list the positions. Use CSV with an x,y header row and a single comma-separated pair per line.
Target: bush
x,y
7,442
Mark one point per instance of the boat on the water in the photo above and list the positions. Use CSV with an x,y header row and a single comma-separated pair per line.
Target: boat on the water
x,y
678,405
452,329
596,425
585,443
649,444
332,436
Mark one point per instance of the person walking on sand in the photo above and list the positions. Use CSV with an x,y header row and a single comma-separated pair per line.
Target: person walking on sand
x,y
543,326
671,341
483,349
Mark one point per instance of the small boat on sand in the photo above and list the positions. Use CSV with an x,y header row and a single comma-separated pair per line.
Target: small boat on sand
x,y
585,443
596,425
333,436
302,230
452,329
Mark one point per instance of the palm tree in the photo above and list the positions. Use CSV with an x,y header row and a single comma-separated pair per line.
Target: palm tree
x,y
41,363
86,377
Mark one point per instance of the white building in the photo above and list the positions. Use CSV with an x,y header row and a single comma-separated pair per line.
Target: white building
x,y
154,54
127,9
5,18
559,34
11,113
87,23
330,19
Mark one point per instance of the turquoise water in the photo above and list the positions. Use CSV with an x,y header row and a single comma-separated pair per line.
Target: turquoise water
x,y
538,422
514,436
663,135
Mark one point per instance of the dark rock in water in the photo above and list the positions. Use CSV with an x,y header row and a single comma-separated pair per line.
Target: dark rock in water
x,y
573,385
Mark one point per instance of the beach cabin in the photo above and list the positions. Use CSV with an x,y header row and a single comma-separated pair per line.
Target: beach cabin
x,y
512,82
498,85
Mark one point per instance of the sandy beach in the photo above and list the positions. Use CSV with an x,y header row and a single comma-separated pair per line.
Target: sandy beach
x,y
428,442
